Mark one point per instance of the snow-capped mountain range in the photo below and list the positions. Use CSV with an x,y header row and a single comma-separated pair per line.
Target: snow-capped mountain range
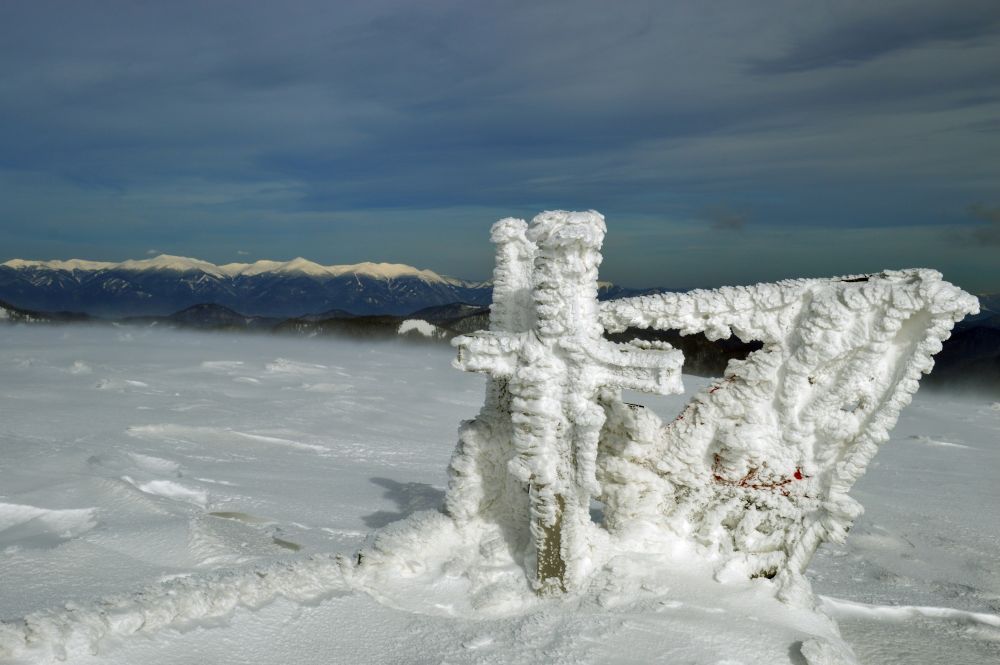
x,y
183,264
166,284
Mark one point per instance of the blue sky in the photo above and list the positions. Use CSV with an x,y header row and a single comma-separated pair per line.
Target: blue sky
x,y
725,142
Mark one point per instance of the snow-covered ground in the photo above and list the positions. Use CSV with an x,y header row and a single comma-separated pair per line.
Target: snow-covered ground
x,y
193,467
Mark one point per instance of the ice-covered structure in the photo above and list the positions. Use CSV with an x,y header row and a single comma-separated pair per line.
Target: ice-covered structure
x,y
755,472
534,448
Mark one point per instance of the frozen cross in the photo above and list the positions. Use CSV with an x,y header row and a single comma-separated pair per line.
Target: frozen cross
x,y
549,362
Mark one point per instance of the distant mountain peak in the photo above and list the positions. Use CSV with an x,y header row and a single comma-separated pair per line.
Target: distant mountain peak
x,y
390,271
299,264
170,262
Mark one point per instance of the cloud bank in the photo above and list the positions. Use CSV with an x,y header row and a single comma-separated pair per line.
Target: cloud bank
x,y
351,131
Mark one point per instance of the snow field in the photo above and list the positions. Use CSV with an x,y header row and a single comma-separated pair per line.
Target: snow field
x,y
179,475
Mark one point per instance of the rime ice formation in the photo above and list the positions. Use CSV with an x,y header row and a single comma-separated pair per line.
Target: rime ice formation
x,y
755,472
757,468
552,373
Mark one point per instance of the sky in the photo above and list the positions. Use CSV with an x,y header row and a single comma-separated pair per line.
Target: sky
x,y
725,142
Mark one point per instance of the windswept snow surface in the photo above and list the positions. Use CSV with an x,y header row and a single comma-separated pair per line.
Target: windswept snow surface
x,y
184,500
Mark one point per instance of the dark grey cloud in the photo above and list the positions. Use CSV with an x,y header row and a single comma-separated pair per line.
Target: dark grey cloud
x,y
724,218
989,232
852,40
332,126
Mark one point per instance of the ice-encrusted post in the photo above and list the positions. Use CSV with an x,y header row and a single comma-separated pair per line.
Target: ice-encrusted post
x,y
554,380
479,485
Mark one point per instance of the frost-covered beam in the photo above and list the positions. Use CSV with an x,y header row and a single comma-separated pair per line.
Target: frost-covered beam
x,y
479,485
758,466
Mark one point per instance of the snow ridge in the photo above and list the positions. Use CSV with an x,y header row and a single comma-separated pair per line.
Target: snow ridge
x,y
47,636
383,271
840,608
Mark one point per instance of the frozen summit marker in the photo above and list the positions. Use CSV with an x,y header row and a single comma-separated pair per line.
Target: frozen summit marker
x,y
557,375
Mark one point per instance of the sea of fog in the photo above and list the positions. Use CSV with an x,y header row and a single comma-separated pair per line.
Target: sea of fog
x,y
131,457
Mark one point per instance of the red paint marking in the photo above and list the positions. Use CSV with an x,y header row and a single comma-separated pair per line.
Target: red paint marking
x,y
750,480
